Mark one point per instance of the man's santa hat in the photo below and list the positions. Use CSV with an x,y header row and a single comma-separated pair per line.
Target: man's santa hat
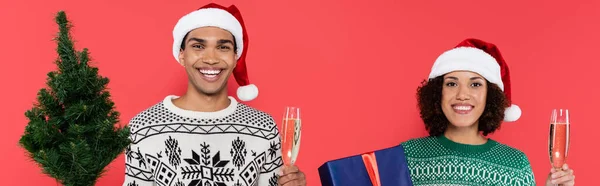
x,y
229,19
483,58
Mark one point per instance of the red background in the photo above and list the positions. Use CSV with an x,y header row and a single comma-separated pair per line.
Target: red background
x,y
353,67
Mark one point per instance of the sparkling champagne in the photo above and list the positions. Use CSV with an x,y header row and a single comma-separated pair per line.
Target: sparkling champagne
x,y
291,132
558,144
289,125
558,139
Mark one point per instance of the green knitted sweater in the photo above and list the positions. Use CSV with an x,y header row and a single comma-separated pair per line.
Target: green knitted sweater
x,y
439,161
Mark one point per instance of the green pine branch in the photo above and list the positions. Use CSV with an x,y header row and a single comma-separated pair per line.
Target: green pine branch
x,y
71,133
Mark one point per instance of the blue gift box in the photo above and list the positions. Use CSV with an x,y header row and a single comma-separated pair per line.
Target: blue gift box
x,y
387,165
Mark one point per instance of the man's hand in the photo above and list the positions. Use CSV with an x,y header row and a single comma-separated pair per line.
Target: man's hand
x,y
564,177
291,176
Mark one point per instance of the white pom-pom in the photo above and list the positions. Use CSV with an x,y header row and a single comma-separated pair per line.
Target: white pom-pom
x,y
247,93
512,113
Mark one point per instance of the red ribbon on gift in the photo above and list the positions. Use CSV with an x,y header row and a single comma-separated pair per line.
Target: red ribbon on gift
x,y
371,165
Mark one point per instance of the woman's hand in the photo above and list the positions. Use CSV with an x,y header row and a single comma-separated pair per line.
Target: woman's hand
x,y
564,177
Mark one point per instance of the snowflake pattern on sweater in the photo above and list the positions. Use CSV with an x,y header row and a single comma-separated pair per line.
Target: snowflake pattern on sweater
x,y
236,146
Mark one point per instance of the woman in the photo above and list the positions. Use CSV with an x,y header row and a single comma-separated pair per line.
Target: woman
x,y
466,98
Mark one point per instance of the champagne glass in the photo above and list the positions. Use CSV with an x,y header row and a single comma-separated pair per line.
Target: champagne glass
x,y
290,144
558,141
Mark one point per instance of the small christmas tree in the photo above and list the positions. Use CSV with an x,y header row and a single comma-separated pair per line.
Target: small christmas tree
x,y
71,132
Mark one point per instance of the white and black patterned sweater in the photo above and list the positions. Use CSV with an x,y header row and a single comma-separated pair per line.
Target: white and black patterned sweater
x,y
237,146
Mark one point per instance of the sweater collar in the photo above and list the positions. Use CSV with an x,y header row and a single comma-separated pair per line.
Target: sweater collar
x,y
168,103
466,148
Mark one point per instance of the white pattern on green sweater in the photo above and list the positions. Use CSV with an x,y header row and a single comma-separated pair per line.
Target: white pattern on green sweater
x,y
439,161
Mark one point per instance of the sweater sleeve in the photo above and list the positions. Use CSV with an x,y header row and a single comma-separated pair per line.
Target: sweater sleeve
x,y
137,171
270,169
527,173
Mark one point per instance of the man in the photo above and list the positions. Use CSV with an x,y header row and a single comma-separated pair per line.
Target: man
x,y
206,137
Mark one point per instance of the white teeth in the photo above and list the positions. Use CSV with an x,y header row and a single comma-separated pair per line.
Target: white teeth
x,y
462,107
210,72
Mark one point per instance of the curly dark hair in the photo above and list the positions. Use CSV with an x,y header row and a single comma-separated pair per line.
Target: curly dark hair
x,y
429,97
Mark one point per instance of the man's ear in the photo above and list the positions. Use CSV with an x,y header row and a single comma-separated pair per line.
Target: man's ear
x,y
235,57
181,59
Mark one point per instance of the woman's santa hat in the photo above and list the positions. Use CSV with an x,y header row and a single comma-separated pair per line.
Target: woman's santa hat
x,y
229,19
483,58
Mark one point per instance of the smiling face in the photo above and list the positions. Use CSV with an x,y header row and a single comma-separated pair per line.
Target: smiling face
x,y
209,58
463,98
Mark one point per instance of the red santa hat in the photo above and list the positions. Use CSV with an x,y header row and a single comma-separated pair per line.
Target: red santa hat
x,y
227,18
483,58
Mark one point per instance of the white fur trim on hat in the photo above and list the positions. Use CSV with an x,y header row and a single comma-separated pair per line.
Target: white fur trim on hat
x,y
207,17
512,113
247,93
468,59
